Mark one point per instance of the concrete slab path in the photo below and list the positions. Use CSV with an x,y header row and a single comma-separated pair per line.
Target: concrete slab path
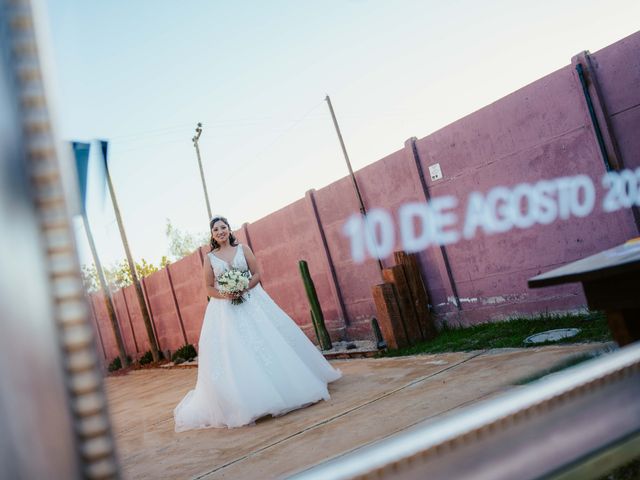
x,y
374,399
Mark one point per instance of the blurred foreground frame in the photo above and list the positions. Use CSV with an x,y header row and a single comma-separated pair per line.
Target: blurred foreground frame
x,y
580,423
53,409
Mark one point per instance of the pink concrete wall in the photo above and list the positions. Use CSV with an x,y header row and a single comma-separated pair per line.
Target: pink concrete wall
x,y
387,183
540,131
188,285
101,319
126,325
103,355
279,242
135,313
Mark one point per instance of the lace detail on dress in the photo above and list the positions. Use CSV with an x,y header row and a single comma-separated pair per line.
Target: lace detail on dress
x,y
220,266
240,261
216,361
257,344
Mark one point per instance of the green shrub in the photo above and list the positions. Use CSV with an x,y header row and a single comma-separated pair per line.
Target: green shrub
x,y
117,364
186,352
146,358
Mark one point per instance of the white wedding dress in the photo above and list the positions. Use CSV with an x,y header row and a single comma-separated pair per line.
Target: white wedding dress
x,y
253,361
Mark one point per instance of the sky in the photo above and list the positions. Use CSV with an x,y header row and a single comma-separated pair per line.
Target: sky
x,y
142,73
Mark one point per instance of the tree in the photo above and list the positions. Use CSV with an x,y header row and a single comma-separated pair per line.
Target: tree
x,y
118,275
90,278
182,243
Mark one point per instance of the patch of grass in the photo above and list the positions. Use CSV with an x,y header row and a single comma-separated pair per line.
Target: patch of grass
x,y
630,471
510,333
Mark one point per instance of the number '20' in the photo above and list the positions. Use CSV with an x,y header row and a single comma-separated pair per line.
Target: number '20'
x,y
623,189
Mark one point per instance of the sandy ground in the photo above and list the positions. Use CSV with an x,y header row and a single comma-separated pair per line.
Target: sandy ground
x,y
374,399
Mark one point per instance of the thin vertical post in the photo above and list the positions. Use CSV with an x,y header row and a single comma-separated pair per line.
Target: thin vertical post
x,y
363,210
132,266
195,140
108,300
411,143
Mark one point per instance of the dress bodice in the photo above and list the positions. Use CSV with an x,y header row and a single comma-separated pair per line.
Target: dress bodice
x,y
220,266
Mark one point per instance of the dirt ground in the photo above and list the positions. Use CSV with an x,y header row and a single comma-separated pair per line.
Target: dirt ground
x,y
374,399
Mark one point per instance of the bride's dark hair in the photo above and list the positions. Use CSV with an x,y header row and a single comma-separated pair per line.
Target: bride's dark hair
x,y
232,239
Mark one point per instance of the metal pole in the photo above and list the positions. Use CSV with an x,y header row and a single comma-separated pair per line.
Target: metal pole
x,y
363,210
204,183
134,275
594,118
107,294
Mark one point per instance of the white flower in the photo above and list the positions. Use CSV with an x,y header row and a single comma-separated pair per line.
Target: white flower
x,y
234,281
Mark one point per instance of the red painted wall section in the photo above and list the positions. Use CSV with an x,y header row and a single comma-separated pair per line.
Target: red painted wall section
x,y
139,328
542,131
163,310
188,285
335,203
125,323
102,354
280,241
241,235
102,318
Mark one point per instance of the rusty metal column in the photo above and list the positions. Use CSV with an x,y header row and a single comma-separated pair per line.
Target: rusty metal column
x,y
410,146
585,74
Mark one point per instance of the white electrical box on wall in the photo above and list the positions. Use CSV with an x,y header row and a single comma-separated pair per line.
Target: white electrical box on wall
x,y
435,171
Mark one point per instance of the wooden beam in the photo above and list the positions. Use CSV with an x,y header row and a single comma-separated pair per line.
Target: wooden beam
x,y
396,276
418,293
389,317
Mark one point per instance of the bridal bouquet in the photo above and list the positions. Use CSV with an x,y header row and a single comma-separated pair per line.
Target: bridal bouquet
x,y
234,281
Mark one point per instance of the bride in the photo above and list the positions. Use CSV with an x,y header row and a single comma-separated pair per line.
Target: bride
x,y
253,360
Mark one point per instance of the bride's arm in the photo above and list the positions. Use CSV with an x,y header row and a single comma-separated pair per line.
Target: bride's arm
x,y
253,266
210,282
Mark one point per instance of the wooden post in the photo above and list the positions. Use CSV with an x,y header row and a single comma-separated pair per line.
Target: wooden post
x,y
195,140
396,276
418,293
153,342
389,317
380,343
